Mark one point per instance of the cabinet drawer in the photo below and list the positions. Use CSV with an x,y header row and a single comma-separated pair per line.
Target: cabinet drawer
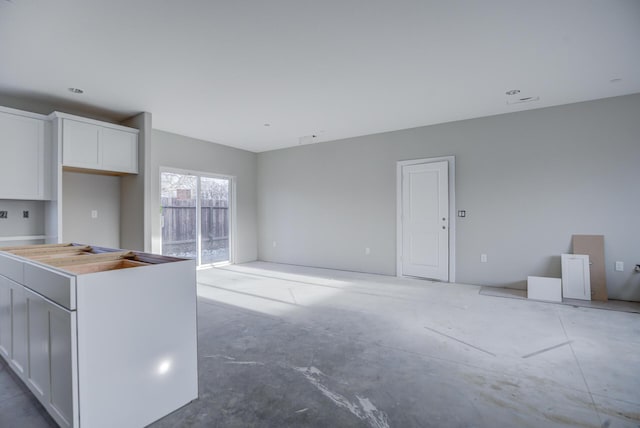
x,y
53,285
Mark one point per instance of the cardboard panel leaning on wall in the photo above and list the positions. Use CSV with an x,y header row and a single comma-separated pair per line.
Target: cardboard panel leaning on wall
x,y
528,181
180,152
593,246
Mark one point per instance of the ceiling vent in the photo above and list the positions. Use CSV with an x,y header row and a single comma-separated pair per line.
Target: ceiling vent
x,y
522,100
307,139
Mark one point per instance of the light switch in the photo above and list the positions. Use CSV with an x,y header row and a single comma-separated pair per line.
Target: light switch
x,y
620,266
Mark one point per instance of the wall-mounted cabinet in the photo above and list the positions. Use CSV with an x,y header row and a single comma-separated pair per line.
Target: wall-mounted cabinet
x,y
24,164
36,149
96,146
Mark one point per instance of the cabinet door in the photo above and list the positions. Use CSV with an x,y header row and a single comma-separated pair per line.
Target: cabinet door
x,y
61,363
49,373
5,317
22,160
80,144
119,150
19,329
38,344
576,283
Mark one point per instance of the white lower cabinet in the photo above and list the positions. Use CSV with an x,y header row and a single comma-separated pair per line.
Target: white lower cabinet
x,y
36,340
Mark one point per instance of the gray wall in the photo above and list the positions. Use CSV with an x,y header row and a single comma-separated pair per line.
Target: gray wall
x,y
15,224
82,193
176,151
135,194
527,180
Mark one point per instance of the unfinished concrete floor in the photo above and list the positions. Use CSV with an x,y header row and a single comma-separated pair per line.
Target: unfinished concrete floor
x,y
287,346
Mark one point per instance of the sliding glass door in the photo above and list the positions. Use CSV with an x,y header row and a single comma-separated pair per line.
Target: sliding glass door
x,y
214,220
196,216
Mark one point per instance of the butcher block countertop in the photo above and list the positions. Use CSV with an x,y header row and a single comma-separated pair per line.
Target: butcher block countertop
x,y
81,259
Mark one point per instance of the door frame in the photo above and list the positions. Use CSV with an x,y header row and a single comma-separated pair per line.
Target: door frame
x,y
232,216
452,211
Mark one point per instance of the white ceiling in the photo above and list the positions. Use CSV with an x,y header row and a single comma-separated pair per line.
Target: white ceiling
x,y
219,70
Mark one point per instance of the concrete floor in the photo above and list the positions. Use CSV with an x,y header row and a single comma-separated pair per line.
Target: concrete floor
x,y
286,346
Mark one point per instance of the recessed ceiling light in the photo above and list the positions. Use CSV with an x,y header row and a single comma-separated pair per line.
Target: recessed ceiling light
x,y
76,91
513,92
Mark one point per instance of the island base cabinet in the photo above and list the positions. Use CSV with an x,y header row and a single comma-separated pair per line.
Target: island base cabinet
x,y
141,364
101,348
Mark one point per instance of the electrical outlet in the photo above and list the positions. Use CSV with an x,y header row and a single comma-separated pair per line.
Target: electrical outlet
x,y
25,214
367,251
619,266
483,258
4,214
94,213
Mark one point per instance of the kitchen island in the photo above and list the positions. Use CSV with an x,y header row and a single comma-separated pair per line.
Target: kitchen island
x,y
102,337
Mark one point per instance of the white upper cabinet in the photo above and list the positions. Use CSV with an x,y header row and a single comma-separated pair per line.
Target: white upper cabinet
x,y
23,171
101,147
80,144
119,150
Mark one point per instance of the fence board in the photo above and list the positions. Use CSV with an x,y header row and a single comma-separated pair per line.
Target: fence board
x,y
180,221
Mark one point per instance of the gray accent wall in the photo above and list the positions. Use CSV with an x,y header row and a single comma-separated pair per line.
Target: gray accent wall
x,y
527,180
176,151
82,193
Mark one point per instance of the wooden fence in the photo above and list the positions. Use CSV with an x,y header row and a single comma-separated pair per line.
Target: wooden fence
x,y
180,221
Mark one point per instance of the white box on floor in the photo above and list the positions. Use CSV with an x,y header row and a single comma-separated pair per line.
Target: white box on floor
x,y
547,289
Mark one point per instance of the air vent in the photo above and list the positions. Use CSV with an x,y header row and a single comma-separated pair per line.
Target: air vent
x,y
307,139
522,100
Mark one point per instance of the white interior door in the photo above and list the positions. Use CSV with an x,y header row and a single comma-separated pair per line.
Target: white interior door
x,y
425,220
